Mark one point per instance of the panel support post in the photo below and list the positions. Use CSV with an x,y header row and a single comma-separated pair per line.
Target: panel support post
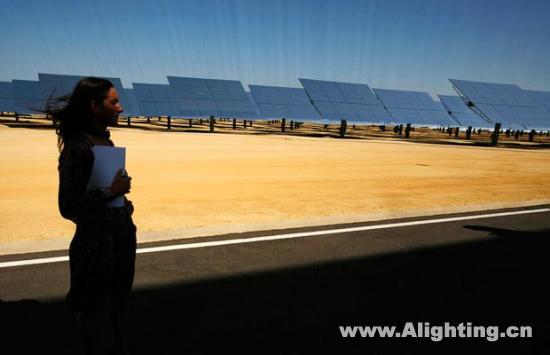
x,y
148,119
343,127
129,121
190,122
16,117
169,126
532,135
496,132
234,123
457,131
212,121
408,130
283,124
469,133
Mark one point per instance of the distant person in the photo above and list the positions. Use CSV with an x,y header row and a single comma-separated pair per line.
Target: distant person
x,y
103,249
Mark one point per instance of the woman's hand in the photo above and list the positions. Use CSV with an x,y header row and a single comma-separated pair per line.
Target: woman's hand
x,y
130,207
121,183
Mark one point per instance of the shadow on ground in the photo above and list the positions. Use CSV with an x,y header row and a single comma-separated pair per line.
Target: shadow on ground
x,y
501,281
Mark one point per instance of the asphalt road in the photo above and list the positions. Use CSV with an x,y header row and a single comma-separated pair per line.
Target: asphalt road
x,y
289,296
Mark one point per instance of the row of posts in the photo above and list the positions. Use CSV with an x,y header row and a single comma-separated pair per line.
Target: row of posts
x,y
212,121
496,133
16,115
456,131
398,129
343,128
515,133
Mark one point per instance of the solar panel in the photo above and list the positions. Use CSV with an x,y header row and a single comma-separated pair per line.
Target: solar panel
x,y
155,99
61,84
57,85
283,102
458,109
350,101
7,102
196,97
415,107
129,103
508,104
252,102
538,113
539,98
28,97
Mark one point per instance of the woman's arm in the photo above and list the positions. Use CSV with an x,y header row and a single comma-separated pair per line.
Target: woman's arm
x,y
75,167
129,206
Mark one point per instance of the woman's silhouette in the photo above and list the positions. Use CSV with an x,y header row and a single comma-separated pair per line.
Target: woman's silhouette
x,y
103,249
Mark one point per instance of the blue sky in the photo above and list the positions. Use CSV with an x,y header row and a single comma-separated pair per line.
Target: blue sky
x,y
401,44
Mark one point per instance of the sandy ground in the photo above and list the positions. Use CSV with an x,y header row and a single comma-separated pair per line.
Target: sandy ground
x,y
187,185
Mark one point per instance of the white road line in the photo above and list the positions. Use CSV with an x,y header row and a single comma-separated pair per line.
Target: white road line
x,y
285,236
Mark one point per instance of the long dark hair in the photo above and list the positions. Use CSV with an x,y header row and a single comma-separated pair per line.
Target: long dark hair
x,y
72,114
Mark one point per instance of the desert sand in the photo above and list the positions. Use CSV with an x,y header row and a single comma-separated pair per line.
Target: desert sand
x,y
188,185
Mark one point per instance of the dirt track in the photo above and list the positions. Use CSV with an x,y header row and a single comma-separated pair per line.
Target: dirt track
x,y
202,184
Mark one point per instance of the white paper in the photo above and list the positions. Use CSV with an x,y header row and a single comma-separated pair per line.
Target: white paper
x,y
107,161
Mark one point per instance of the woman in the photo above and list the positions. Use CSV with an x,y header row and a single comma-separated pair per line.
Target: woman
x,y
103,249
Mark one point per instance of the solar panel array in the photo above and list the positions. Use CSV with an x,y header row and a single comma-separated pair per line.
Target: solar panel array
x,y
7,102
28,96
458,110
155,99
336,101
195,97
505,103
211,97
283,102
414,107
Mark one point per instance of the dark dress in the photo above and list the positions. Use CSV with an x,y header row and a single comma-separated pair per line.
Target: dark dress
x,y
103,249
